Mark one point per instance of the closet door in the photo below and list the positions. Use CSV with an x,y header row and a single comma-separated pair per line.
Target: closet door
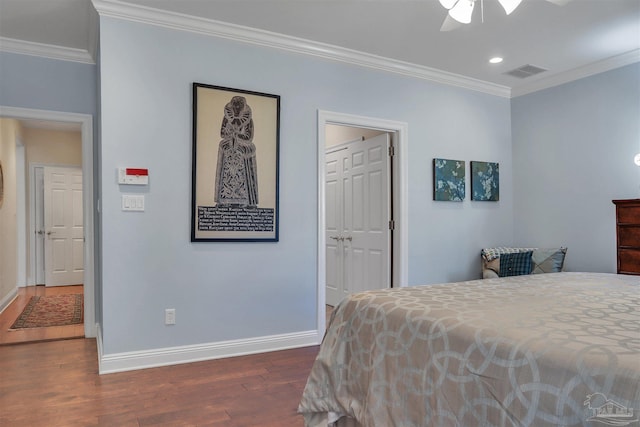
x,y
334,164
366,212
358,238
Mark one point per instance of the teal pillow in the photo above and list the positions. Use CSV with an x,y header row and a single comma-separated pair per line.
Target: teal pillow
x,y
516,264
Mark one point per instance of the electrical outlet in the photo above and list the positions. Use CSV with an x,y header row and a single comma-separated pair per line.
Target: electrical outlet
x,y
170,316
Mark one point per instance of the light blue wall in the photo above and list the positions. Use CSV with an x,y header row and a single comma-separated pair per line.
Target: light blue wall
x,y
573,148
47,84
224,291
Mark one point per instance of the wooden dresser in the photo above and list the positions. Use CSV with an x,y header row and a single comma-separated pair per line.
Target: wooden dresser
x,y
628,235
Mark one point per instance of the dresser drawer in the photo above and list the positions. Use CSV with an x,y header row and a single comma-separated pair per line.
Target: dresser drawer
x,y
628,214
629,261
629,235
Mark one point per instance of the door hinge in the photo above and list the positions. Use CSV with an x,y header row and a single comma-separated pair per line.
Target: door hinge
x,y
392,151
392,225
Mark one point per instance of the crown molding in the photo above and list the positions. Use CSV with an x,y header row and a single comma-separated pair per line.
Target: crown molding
x,y
178,21
94,33
45,50
608,64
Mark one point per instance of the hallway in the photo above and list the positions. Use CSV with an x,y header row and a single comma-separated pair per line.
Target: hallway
x,y
11,313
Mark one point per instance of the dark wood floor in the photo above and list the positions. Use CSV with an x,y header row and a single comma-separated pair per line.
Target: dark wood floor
x,y
56,383
11,313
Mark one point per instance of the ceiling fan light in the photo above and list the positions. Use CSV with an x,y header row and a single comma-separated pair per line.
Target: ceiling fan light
x,y
448,4
509,5
462,11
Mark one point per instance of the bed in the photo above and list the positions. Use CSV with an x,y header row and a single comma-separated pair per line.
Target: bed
x,y
559,349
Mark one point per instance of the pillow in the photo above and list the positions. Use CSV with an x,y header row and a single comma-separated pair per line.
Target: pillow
x,y
515,264
548,260
490,267
493,253
491,259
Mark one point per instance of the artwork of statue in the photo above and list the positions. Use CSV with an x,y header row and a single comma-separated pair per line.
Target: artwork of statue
x,y
237,178
233,131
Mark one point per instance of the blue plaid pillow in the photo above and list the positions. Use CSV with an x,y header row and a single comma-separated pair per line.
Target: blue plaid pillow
x,y
515,264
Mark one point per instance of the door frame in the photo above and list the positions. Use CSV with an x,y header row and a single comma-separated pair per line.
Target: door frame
x,y
399,174
21,216
36,210
86,129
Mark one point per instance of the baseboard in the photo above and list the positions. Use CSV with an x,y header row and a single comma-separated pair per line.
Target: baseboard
x,y
8,299
119,362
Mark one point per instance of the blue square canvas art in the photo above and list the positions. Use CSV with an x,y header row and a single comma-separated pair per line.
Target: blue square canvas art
x,y
448,180
485,181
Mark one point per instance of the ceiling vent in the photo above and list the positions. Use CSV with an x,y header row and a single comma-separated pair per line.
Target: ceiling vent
x,y
525,71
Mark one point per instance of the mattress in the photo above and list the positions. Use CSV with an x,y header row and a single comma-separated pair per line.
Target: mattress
x,y
560,349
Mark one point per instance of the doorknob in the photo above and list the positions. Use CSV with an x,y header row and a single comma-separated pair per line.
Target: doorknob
x,y
40,232
336,237
349,238
49,233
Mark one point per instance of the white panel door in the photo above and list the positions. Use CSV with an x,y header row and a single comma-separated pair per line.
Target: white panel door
x,y
64,230
357,215
366,228
333,221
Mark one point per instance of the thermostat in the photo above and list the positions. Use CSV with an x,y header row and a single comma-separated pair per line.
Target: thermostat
x,y
133,176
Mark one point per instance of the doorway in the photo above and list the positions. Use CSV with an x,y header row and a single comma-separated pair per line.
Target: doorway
x,y
398,132
85,123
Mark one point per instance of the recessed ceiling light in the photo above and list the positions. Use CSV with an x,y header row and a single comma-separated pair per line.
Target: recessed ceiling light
x,y
496,60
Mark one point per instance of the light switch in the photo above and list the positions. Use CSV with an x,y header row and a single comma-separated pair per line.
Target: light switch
x,y
133,202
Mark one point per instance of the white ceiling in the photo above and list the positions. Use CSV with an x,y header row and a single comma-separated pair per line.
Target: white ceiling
x,y
569,41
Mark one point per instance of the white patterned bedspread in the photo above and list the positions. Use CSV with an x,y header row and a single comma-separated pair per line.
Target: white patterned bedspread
x,y
559,349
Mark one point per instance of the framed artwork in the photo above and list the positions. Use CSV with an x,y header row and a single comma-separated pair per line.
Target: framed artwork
x,y
448,180
485,181
235,165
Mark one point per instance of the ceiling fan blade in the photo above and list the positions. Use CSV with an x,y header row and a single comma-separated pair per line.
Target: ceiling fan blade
x,y
462,11
448,4
559,2
509,5
450,24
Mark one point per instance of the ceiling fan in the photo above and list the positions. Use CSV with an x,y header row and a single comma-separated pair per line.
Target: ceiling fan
x,y
460,11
